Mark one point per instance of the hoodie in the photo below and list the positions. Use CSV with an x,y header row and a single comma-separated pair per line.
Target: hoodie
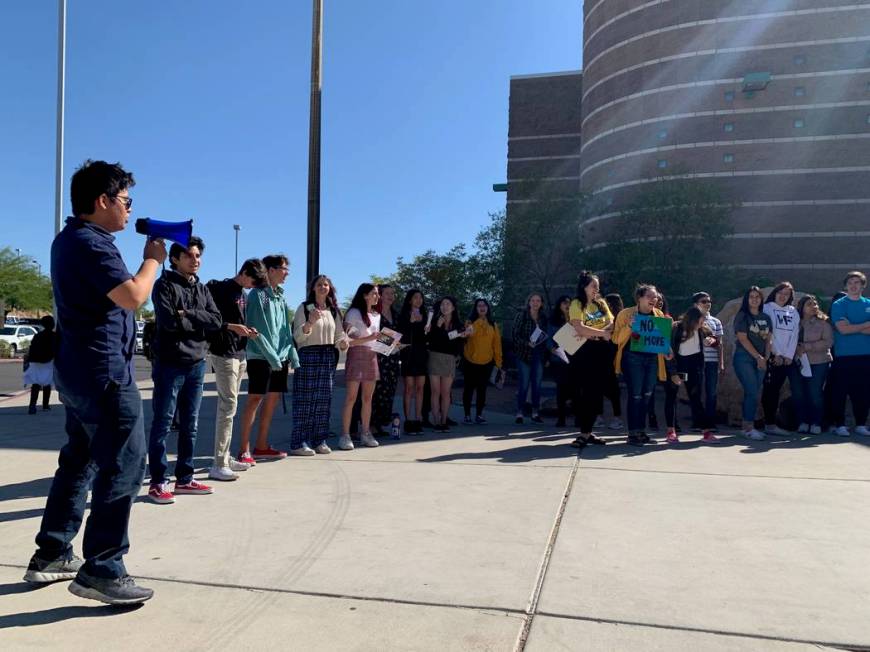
x,y
267,311
786,328
182,339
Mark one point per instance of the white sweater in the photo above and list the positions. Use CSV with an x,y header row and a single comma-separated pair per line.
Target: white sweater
x,y
786,328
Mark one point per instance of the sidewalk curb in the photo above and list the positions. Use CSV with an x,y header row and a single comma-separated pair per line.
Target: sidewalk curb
x,y
14,395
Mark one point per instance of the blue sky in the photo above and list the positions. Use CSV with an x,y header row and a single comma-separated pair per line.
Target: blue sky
x,y
206,101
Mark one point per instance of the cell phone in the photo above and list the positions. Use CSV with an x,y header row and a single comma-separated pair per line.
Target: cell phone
x,y
683,375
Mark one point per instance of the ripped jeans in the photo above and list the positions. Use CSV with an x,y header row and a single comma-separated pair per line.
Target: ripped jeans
x,y
640,371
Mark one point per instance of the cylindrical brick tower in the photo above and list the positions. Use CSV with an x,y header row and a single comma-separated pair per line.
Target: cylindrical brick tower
x,y
768,98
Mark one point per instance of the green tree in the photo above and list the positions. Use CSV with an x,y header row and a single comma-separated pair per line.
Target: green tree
x,y
22,287
437,275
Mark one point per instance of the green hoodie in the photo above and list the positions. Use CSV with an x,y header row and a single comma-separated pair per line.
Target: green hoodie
x,y
268,313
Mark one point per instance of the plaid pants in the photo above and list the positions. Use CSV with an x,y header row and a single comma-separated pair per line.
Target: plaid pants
x,y
312,395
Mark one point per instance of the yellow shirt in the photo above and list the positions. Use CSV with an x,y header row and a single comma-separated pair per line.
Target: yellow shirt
x,y
484,345
594,315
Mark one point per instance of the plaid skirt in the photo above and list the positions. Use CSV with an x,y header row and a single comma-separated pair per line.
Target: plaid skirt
x,y
361,364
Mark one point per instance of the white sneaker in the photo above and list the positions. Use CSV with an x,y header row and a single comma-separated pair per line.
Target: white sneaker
x,y
776,430
615,424
235,465
754,434
322,449
842,431
345,443
815,430
599,422
804,428
303,451
862,430
222,473
367,440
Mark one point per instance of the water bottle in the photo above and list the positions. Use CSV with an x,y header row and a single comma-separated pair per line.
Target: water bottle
x,y
395,427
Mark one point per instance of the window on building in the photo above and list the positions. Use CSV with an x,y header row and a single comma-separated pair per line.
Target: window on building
x,y
729,96
663,133
728,126
728,158
799,91
799,123
800,59
662,163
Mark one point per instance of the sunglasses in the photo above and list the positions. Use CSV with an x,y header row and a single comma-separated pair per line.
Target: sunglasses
x,y
128,201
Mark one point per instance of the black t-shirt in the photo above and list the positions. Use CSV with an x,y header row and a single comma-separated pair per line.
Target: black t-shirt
x,y
757,329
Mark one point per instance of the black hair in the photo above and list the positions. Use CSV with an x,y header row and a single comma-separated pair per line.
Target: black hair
x,y
331,297
176,249
642,289
615,303
255,269
454,316
803,302
690,323
405,313
47,322
779,287
95,178
584,280
359,301
557,319
473,314
700,295
744,306
273,261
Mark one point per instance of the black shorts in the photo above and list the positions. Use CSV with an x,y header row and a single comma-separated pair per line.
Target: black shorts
x,y
262,379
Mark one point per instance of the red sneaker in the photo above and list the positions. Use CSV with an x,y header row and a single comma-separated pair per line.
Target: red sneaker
x,y
193,488
269,453
158,493
246,458
709,437
672,436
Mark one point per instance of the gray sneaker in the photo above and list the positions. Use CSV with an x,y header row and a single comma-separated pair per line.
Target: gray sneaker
x,y
119,590
40,571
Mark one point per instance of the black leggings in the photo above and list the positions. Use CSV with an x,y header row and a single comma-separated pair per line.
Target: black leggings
x,y
589,368
476,378
693,365
34,395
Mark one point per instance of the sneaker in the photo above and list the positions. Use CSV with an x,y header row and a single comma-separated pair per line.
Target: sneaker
x,y
322,449
776,430
671,437
245,457
479,420
344,443
367,440
635,440
599,422
709,437
193,488
120,590
645,438
467,421
413,427
597,441
442,427
237,465
615,424
862,430
536,418
222,473
803,428
815,430
754,434
580,443
842,431
303,451
519,419
31,409
40,571
269,453
159,494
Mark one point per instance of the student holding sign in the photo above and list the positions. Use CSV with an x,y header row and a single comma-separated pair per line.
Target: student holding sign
x,y
643,335
752,327
591,318
528,336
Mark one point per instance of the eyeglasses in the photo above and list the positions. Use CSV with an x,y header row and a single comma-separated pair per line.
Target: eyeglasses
x,y
283,269
704,301
128,201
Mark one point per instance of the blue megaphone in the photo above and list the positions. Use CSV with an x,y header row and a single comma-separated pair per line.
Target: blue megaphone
x,y
179,232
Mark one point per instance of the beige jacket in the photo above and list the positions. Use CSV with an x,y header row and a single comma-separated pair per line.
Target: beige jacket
x,y
816,340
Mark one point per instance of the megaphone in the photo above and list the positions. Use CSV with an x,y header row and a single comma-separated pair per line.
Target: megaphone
x,y
179,232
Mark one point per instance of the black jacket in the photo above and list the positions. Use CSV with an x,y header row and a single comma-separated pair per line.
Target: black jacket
x,y
229,298
181,339
42,347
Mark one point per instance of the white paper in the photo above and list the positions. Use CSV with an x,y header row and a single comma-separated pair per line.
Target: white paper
x,y
806,369
568,340
560,353
453,335
537,337
387,341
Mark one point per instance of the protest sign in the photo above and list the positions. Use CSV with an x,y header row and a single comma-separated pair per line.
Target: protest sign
x,y
651,334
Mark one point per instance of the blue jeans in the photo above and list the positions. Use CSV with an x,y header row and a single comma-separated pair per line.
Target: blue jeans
x,y
106,454
530,373
808,395
640,371
181,385
752,380
711,391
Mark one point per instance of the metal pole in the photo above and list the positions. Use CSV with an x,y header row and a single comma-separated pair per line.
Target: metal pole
x,y
237,228
61,83
313,262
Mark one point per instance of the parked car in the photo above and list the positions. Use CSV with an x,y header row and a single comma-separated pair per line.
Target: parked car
x,y
17,337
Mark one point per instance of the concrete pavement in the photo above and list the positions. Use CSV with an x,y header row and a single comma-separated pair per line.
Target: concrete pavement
x,y
491,538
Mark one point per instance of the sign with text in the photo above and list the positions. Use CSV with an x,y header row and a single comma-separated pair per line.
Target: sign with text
x,y
651,334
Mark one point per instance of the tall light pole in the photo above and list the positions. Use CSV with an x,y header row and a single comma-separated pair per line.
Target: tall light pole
x,y
237,228
61,83
38,265
313,261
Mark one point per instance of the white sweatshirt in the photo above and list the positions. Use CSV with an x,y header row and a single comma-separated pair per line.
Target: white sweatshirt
x,y
786,328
